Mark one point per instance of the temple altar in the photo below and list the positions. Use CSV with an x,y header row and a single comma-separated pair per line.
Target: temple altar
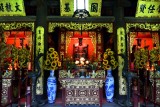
x,y
81,76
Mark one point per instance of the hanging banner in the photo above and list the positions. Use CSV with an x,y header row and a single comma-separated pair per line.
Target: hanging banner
x,y
12,8
95,7
67,7
121,48
40,49
148,8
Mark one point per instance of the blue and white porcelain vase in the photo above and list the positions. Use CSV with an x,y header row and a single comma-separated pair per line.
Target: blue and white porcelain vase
x,y
109,86
51,87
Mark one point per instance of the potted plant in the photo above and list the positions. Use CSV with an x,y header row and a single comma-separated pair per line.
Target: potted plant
x,y
93,66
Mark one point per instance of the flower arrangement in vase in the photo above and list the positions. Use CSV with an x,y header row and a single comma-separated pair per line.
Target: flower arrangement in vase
x,y
109,64
51,63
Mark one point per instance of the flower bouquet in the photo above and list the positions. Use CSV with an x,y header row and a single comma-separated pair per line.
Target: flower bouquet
x,y
5,55
93,65
21,56
52,60
109,61
141,58
154,55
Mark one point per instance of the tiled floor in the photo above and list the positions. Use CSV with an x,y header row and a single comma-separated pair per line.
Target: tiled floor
x,y
104,105
58,103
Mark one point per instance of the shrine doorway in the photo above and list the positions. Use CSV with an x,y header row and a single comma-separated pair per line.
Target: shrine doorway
x,y
16,45
64,41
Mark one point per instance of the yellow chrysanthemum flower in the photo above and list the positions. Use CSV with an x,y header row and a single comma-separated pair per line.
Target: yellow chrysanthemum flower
x,y
51,49
47,62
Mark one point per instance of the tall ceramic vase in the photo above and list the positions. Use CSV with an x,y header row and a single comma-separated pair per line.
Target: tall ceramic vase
x,y
51,87
109,86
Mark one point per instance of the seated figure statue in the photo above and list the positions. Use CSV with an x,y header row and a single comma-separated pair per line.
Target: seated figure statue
x,y
80,51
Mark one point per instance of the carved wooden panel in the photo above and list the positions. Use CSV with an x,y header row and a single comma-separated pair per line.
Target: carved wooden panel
x,y
82,95
82,91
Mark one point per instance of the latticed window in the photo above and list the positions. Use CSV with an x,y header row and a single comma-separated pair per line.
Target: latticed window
x,y
81,4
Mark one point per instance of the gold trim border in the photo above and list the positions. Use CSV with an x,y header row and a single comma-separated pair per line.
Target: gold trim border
x,y
143,26
17,25
80,26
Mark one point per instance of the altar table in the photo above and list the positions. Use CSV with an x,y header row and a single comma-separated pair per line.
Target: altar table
x,y
82,91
